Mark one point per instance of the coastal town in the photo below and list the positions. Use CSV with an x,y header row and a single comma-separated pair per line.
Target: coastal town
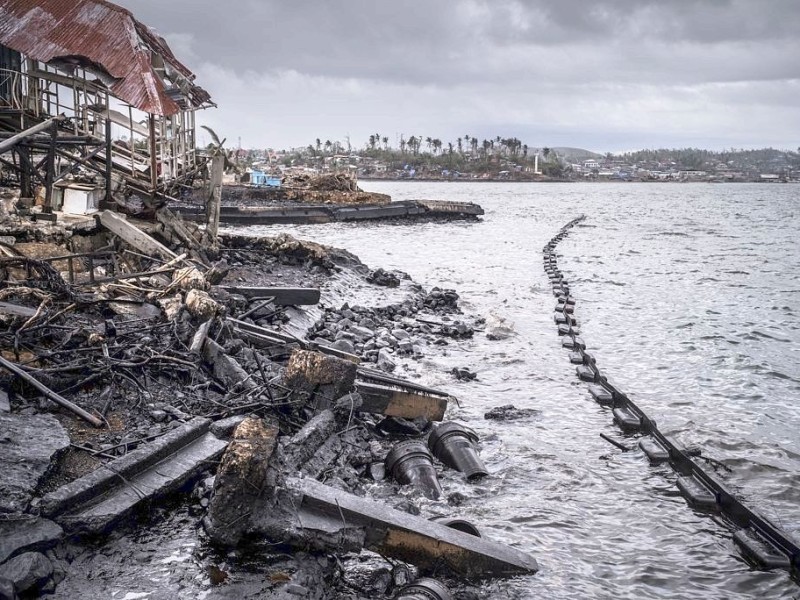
x,y
502,159
191,407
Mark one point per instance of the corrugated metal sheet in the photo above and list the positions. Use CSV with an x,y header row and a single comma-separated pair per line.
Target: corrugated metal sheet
x,y
104,34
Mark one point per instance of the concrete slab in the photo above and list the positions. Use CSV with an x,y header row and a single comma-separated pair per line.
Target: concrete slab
x,y
93,503
412,539
29,447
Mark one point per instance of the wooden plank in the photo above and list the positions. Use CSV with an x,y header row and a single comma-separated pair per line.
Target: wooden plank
x,y
282,296
134,236
412,539
7,308
394,402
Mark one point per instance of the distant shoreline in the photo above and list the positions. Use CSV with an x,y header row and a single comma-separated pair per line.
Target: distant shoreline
x,y
599,181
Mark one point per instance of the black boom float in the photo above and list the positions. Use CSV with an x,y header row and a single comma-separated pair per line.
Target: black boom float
x,y
759,540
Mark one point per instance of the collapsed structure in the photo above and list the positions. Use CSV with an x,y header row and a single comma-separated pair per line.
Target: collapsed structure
x,y
84,84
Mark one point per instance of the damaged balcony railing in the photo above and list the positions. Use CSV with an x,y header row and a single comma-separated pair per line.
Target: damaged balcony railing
x,y
148,152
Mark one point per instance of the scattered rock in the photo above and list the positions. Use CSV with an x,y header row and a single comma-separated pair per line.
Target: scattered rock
x,y
27,534
464,374
509,412
29,571
457,329
384,278
442,299
344,345
385,361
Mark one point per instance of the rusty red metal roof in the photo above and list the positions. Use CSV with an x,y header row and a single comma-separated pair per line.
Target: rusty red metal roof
x,y
101,35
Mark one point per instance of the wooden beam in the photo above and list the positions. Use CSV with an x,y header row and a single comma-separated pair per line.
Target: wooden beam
x,y
134,236
282,296
7,308
214,201
9,143
50,394
394,402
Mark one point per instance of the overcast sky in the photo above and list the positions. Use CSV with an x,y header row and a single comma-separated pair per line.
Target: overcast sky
x,y
606,75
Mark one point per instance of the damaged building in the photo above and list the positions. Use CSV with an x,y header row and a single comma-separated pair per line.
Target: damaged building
x,y
83,84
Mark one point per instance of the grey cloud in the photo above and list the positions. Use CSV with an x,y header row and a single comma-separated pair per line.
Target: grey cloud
x,y
607,67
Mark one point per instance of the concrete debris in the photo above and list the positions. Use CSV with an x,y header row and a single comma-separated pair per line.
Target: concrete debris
x,y
318,378
175,365
242,477
27,534
29,572
498,327
509,412
30,445
201,305
189,278
95,502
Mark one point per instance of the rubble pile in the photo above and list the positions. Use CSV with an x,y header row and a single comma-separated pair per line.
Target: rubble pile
x,y
325,182
127,378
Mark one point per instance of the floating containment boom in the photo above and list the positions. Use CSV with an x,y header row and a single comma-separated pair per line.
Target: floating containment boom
x,y
760,541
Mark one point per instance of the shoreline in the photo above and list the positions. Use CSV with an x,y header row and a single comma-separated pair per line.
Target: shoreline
x,y
381,316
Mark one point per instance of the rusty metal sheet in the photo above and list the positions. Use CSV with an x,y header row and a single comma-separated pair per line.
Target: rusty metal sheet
x,y
98,33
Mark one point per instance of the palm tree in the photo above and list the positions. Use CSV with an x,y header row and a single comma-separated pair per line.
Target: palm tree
x,y
413,144
429,141
460,147
385,141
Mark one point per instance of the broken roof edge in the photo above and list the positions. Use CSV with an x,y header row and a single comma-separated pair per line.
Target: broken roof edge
x,y
47,30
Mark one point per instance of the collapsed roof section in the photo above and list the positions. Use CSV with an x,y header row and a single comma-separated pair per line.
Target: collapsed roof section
x,y
126,56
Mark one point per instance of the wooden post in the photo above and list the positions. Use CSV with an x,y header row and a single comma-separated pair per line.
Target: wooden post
x,y
108,159
25,179
51,167
15,139
214,199
153,154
